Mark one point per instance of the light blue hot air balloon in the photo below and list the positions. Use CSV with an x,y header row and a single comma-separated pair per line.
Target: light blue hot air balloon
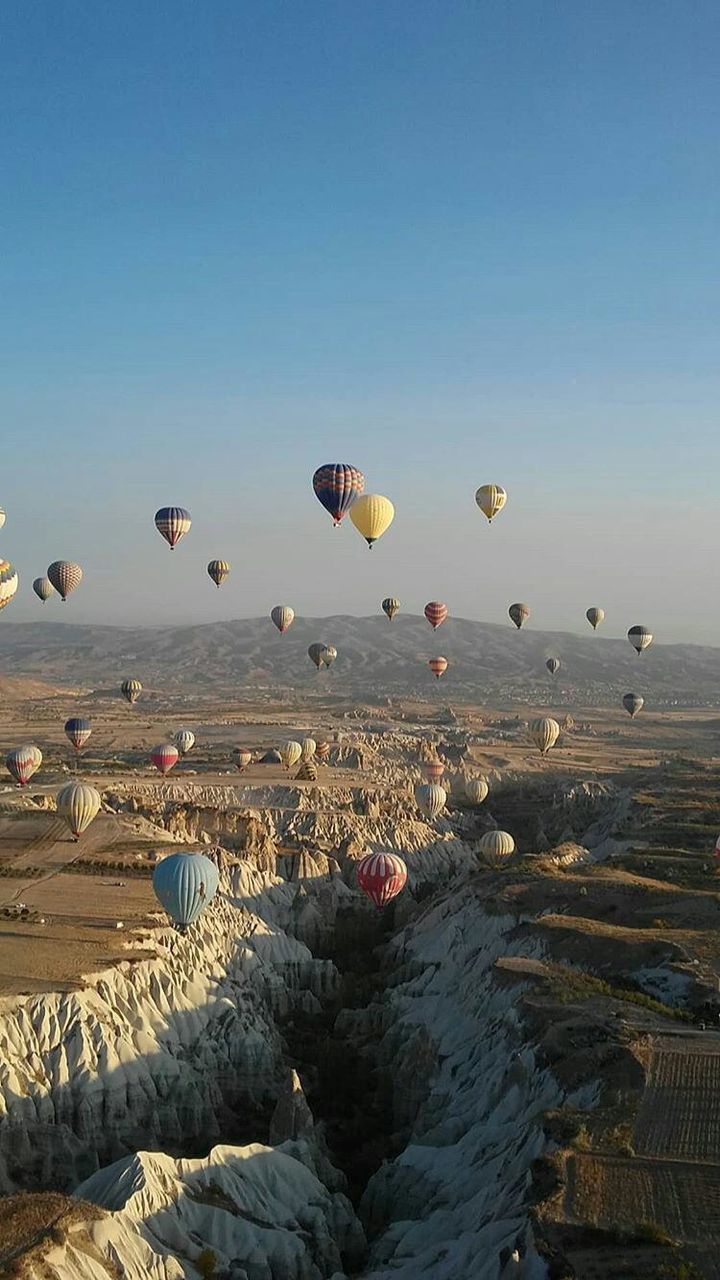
x,y
184,884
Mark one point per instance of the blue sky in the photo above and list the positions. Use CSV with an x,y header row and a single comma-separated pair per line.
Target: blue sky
x,y
446,242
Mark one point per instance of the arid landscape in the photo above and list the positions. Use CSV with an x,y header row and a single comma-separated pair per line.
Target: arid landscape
x,y
504,1073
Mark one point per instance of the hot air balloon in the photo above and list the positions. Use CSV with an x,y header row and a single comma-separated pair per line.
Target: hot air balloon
x,y
218,570
43,588
307,771
496,847
3,517
595,616
165,757
309,747
8,582
432,770
172,523
322,750
78,804
131,690
64,576
390,606
372,515
282,615
436,613
633,704
438,666
640,638
184,884
544,733
519,614
490,498
242,759
476,790
23,762
430,797
553,665
337,485
382,876
315,654
290,753
77,731
328,655
717,847
184,740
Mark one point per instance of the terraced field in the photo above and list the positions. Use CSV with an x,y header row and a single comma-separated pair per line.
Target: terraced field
x,y
680,1197
679,1115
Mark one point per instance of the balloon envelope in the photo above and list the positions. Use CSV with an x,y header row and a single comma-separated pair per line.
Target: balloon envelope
x,y
218,571
242,759
390,606
184,884
64,576
438,666
382,876
184,740
372,515
490,498
553,665
436,612
43,588
430,798
165,757
432,770
640,638
633,704
337,485
23,762
476,790
78,804
544,732
172,523
595,616
282,616
8,582
77,731
290,753
519,613
131,690
495,847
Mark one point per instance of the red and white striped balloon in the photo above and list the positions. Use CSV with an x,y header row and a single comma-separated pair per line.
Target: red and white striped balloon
x,y
436,612
382,876
165,757
23,762
438,666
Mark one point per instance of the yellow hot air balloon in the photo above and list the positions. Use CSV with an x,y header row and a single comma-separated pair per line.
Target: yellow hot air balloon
x,y
309,747
495,847
290,753
476,790
372,515
491,498
78,804
544,733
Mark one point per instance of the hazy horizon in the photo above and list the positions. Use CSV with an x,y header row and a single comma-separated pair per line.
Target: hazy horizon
x,y
449,245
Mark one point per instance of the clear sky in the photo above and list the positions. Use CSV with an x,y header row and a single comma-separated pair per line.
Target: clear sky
x,y
448,242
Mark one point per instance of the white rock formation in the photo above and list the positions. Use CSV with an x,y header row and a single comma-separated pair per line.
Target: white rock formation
x,y
256,1212
473,1095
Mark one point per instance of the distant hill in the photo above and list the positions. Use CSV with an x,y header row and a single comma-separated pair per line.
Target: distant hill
x,y
488,663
